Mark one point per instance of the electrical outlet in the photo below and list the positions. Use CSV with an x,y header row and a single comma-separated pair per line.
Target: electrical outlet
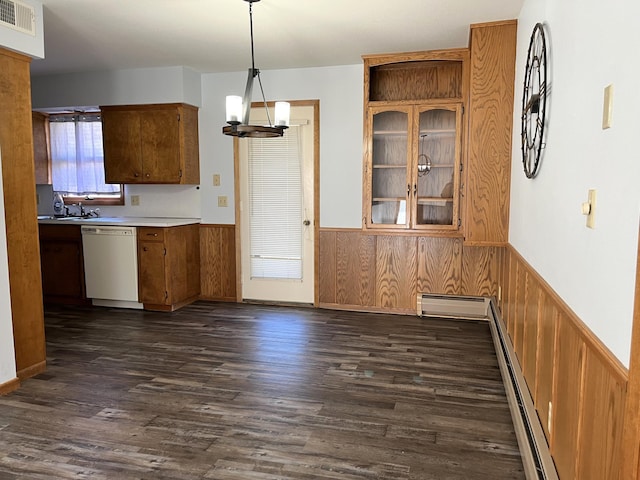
x,y
135,200
216,179
222,201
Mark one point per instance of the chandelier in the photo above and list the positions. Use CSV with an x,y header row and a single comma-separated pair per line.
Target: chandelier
x,y
238,108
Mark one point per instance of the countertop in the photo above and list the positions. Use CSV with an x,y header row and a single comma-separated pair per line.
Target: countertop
x,y
120,221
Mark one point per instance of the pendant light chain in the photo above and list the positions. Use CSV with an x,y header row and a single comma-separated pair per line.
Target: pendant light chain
x,y
253,62
256,73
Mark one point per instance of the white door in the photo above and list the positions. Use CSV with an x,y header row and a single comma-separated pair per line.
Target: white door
x,y
277,211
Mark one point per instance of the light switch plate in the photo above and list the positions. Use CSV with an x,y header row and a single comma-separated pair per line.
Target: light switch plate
x,y
591,217
216,179
607,107
135,200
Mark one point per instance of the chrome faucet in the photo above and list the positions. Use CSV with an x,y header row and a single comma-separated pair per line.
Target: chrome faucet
x,y
80,212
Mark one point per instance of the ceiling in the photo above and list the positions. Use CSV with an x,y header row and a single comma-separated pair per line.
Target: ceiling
x,y
213,35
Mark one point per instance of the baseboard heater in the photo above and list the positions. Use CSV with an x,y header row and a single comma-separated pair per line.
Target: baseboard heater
x,y
452,306
536,458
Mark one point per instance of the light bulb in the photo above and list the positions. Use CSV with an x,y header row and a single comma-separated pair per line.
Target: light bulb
x,y
283,110
234,109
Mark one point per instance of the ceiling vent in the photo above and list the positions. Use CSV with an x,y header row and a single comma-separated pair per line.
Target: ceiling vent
x,y
18,16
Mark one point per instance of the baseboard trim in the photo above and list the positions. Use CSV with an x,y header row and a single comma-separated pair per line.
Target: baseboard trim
x,y
32,370
536,457
9,386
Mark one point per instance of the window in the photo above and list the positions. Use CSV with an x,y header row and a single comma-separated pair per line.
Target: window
x,y
77,160
276,206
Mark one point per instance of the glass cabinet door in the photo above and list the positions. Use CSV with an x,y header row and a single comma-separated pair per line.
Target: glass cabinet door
x,y
389,174
437,165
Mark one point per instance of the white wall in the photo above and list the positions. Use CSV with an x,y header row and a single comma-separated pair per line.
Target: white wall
x,y
339,90
592,270
7,352
32,45
116,87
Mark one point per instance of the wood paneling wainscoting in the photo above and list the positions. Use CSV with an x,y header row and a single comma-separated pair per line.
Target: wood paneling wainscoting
x,y
579,388
361,270
218,262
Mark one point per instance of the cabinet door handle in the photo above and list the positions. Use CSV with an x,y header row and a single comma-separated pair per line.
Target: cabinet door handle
x,y
415,189
147,175
152,234
408,189
145,249
136,174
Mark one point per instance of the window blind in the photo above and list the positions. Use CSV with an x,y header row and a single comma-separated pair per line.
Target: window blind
x,y
77,159
276,206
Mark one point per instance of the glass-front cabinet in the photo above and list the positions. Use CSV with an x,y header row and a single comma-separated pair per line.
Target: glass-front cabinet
x,y
413,166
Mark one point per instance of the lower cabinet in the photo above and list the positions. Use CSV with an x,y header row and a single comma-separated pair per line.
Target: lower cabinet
x,y
61,264
168,266
379,272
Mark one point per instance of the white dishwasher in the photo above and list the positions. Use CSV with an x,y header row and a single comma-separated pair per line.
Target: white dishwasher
x,y
111,265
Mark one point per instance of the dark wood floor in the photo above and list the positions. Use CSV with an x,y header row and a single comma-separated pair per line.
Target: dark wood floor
x,y
228,391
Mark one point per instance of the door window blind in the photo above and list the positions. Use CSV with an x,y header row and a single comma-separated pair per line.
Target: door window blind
x,y
276,206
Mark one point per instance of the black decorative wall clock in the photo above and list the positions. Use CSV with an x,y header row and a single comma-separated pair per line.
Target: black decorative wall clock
x,y
534,102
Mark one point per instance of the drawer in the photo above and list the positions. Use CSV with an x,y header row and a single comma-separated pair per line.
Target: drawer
x,y
151,234
66,232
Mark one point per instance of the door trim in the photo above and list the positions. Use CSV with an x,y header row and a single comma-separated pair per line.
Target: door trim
x,y
316,197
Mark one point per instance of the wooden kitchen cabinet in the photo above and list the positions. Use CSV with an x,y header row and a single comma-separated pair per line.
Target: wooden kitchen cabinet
x,y
413,166
62,264
488,170
414,105
155,143
168,266
40,125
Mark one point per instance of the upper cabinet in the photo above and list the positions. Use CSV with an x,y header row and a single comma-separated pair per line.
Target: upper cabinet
x,y
488,168
40,125
151,144
414,105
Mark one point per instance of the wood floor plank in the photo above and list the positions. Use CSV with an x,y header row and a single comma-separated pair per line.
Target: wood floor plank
x,y
254,392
